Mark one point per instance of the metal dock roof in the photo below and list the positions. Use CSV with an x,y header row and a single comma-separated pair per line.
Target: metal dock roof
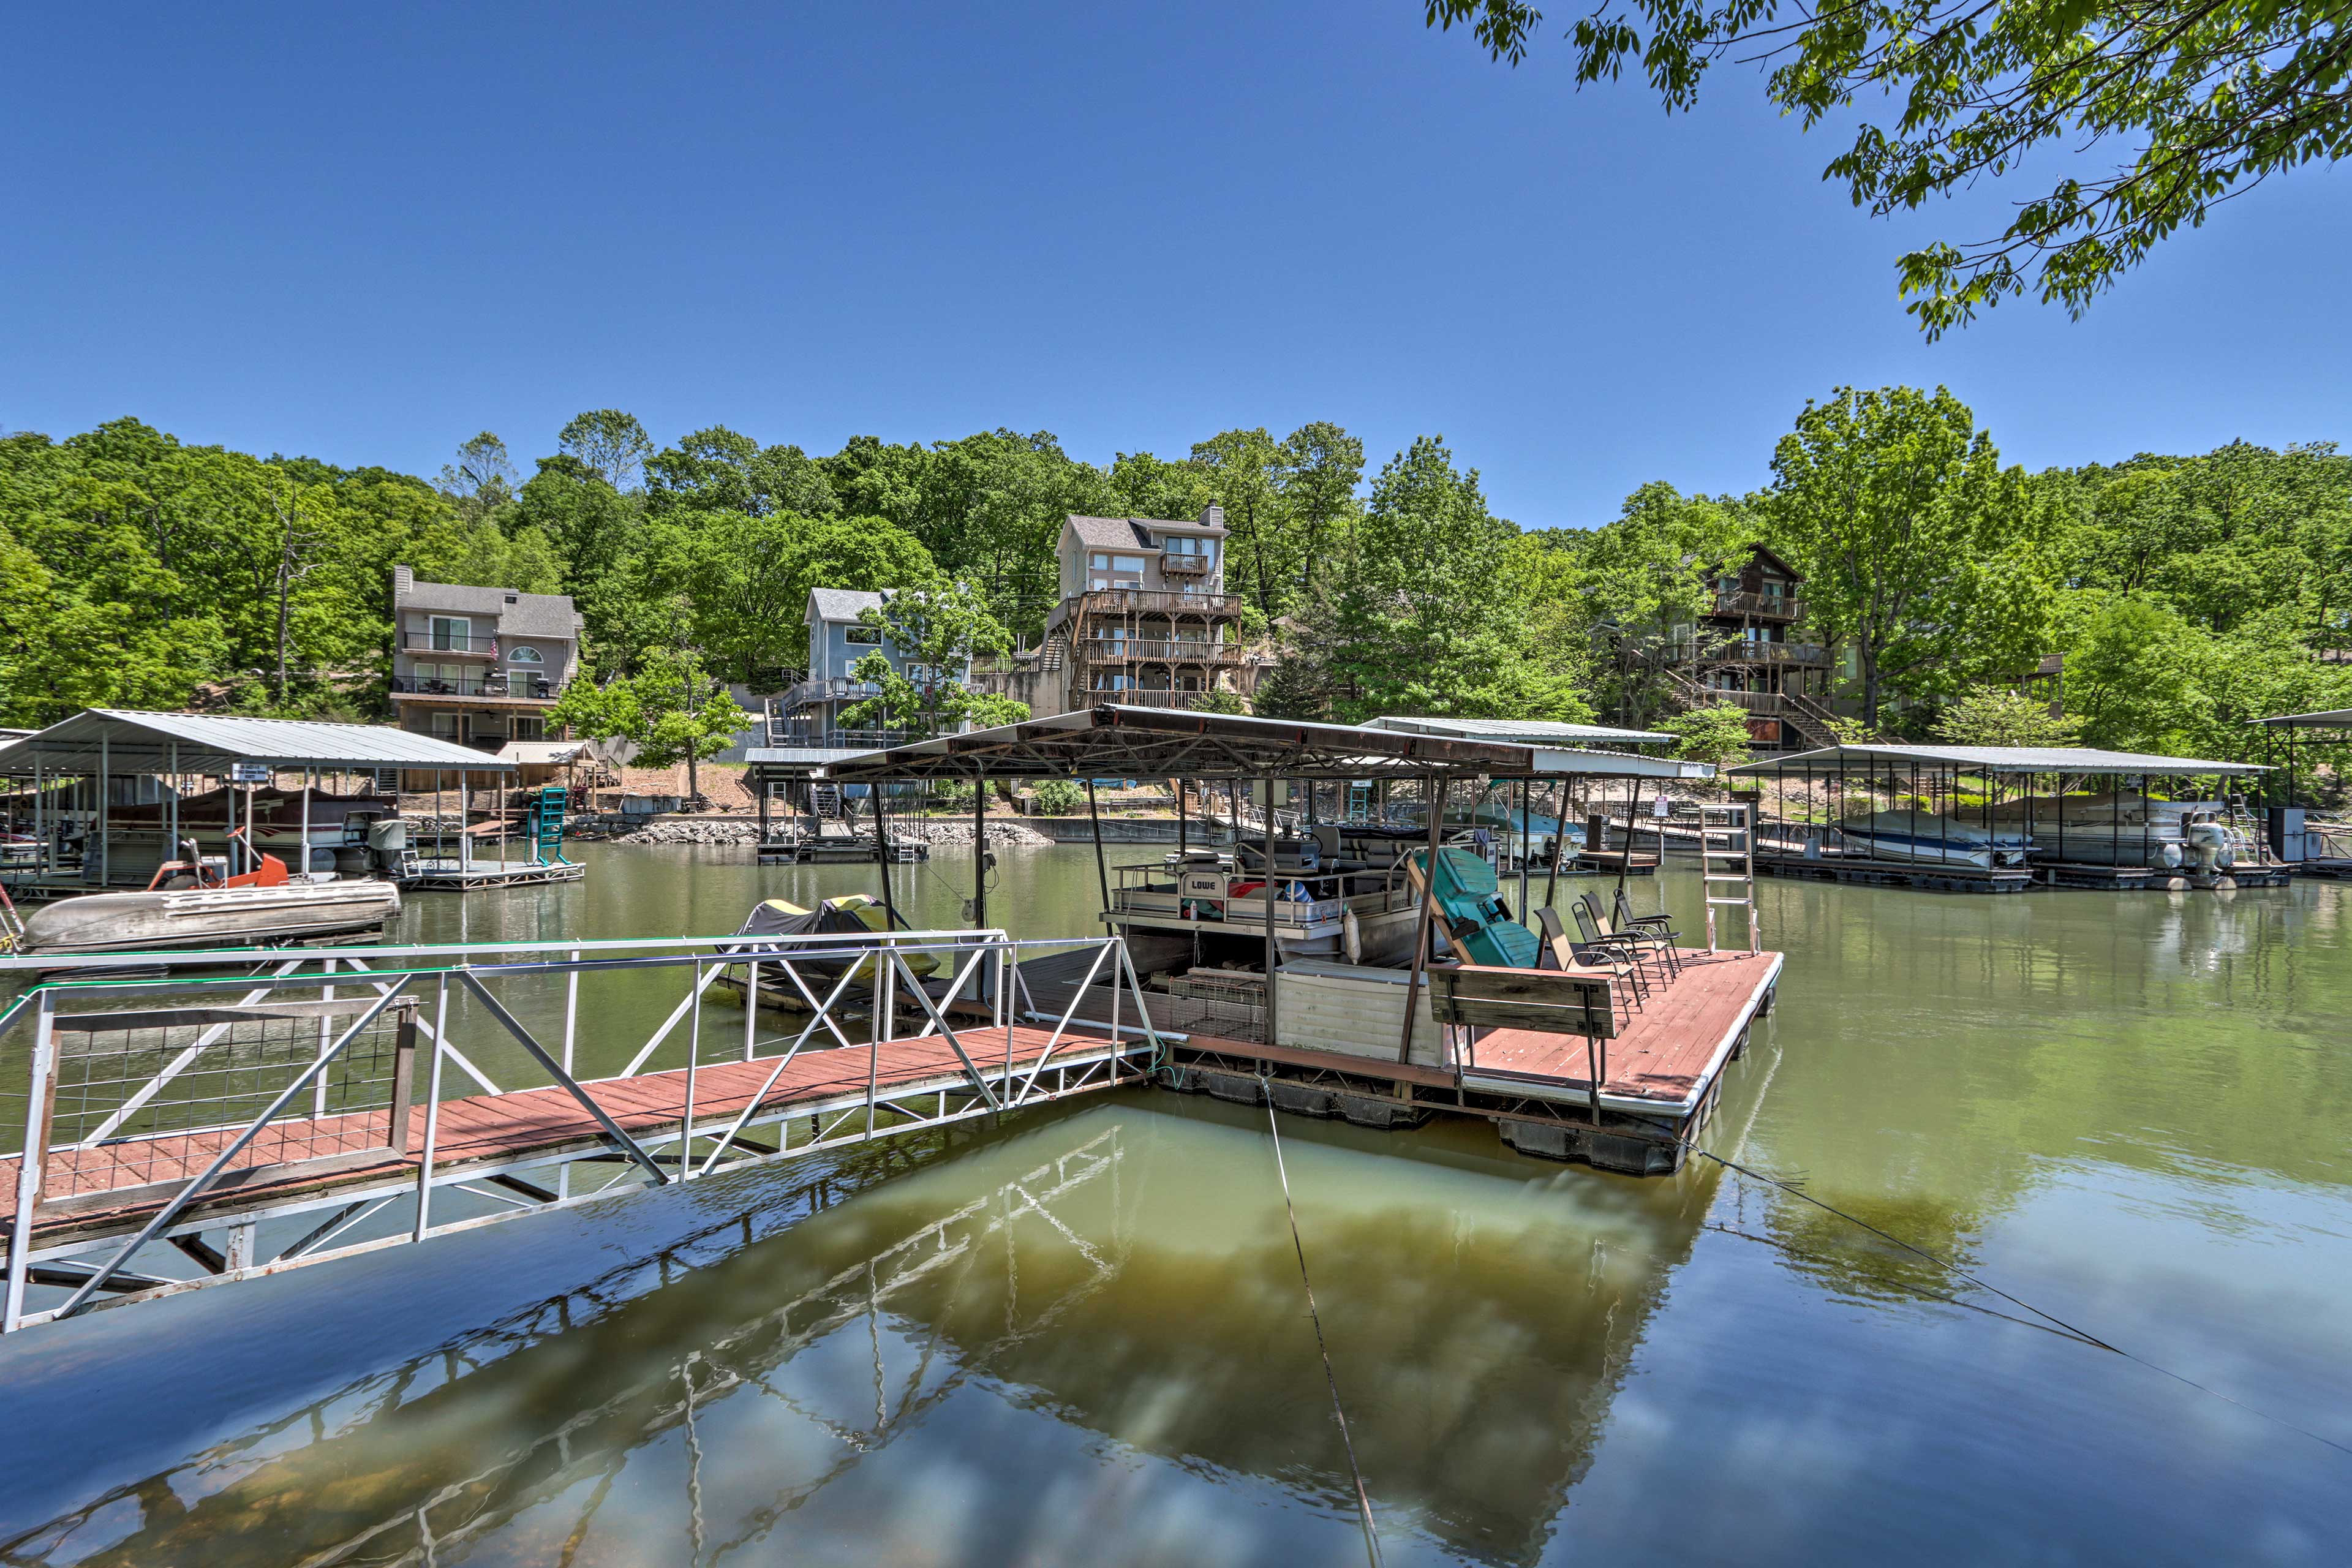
x,y
133,742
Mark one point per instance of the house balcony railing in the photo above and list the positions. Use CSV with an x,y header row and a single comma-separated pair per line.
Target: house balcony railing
x,y
528,688
1185,565
1157,601
1760,606
1779,655
819,688
1133,697
459,643
1167,650
830,737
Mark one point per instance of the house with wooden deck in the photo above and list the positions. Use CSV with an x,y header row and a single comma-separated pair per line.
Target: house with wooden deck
x,y
1142,619
1747,646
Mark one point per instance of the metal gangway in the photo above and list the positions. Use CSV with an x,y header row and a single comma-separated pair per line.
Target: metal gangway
x,y
256,1111
1726,848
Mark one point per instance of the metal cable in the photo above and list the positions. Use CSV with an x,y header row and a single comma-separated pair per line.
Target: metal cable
x,y
1363,1499
2071,1331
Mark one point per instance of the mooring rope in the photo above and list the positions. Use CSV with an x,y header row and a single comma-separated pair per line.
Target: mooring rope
x,y
1330,1379
2069,1329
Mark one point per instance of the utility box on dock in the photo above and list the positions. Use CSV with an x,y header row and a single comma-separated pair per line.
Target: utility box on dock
x,y
2286,834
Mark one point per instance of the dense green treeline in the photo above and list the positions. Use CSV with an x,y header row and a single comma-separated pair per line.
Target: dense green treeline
x,y
2187,593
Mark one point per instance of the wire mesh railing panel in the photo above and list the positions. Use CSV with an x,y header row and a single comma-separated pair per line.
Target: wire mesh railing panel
x,y
148,1098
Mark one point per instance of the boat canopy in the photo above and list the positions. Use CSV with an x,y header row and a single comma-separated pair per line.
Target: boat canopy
x,y
1987,760
1559,748
123,742
2339,719
1117,742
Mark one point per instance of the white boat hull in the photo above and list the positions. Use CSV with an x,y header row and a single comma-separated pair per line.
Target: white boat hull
x,y
208,917
1920,837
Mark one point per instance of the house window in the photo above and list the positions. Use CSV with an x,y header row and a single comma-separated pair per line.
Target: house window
x,y
862,636
1128,563
444,726
451,633
1100,563
530,727
525,655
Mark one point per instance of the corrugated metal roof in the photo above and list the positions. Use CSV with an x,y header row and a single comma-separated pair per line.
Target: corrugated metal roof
x,y
537,751
1524,731
207,742
2339,717
1996,759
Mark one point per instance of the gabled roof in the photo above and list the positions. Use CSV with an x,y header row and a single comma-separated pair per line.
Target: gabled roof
x,y
846,603
517,614
1766,552
1112,533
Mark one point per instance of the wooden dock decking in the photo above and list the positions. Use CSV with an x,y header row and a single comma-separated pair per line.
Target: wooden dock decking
x,y
497,1132
1661,1075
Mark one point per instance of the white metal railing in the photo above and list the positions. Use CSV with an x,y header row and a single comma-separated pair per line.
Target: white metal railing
x,y
195,1009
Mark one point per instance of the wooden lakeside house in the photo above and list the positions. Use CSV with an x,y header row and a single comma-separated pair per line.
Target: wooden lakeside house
x,y
1748,647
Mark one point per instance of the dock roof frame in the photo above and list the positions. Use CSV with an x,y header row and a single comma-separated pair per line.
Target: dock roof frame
x,y
125,741
1991,759
1118,742
2334,719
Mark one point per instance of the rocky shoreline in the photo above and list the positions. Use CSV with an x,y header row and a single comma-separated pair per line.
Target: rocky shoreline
x,y
707,831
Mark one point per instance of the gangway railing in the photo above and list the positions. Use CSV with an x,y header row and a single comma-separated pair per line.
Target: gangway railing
x,y
311,1095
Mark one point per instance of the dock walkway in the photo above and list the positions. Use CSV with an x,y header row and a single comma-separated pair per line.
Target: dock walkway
x,y
480,1135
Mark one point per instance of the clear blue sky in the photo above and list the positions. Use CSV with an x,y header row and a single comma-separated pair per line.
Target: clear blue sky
x,y
366,234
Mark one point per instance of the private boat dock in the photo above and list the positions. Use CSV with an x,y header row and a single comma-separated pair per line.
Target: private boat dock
x,y
2025,820
1611,1050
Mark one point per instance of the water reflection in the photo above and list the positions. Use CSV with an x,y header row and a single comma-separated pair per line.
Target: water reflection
x,y
1121,1274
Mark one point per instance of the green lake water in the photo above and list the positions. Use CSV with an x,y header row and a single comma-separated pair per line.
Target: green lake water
x,y
1080,1337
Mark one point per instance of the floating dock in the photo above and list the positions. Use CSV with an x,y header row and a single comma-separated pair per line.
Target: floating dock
x,y
450,876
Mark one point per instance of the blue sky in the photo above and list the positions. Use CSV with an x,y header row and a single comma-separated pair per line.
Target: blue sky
x,y
365,235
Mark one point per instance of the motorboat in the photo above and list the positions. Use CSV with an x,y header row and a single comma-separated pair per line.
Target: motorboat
x,y
204,901
208,917
851,915
2130,830
1923,836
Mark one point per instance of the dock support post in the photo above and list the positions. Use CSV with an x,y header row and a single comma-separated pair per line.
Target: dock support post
x,y
882,858
1527,841
1102,875
1269,916
29,1169
980,848
1421,925
105,822
432,1113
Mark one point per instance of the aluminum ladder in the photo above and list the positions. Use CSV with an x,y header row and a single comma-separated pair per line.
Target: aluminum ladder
x,y
1726,859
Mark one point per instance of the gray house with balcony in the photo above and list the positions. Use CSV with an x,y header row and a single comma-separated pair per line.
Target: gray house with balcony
x,y
1143,618
1746,648
809,711
480,666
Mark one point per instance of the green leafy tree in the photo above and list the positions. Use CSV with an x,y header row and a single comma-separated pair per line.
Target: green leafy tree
x,y
1635,591
2147,116
669,708
1057,797
746,578
1429,617
609,443
1993,716
938,629
1897,511
720,469
2133,677
1715,735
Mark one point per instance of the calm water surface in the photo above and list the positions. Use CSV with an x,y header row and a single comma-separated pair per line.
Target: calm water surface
x,y
1080,1338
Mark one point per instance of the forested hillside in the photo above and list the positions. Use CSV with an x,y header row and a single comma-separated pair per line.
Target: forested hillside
x,y
2188,592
